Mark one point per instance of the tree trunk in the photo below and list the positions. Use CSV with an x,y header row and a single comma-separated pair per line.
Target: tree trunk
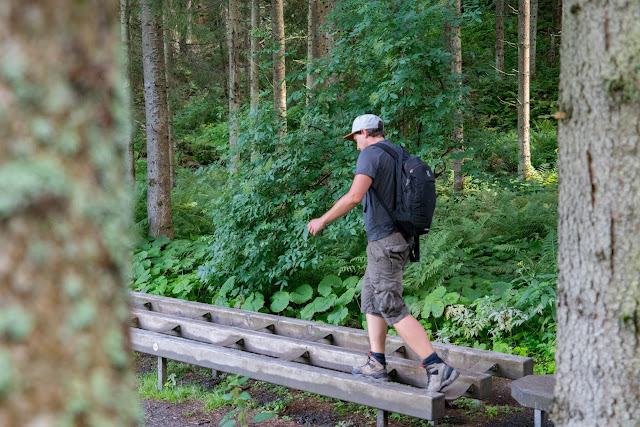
x,y
318,38
255,59
125,12
312,41
500,38
524,151
556,29
255,69
533,30
233,38
454,45
279,84
155,96
598,350
168,62
64,218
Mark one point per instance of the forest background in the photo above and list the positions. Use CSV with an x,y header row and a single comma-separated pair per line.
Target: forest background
x,y
239,207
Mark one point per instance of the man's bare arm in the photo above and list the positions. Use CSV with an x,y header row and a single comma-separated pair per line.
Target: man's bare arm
x,y
359,187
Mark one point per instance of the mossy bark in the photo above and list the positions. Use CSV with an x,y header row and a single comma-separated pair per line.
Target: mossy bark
x,y
64,217
598,351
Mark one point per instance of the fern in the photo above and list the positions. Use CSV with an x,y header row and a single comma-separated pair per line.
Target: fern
x,y
439,260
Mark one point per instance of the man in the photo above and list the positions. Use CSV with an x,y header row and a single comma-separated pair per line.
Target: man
x,y
387,255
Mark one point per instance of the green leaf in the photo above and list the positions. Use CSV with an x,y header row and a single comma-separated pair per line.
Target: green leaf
x,y
338,315
228,285
437,293
350,282
437,308
302,294
331,280
318,305
244,396
279,301
254,302
239,380
346,297
263,416
324,288
451,298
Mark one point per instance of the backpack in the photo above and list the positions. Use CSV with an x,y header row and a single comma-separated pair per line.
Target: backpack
x,y
415,198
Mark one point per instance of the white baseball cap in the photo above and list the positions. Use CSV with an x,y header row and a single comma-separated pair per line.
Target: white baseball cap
x,y
365,121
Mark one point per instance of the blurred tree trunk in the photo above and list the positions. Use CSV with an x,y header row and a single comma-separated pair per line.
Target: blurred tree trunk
x,y
168,61
454,45
279,84
500,38
524,150
233,39
533,31
64,217
155,95
598,342
125,13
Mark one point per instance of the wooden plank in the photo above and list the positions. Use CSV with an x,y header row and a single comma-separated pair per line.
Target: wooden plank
x,y
506,365
318,354
398,398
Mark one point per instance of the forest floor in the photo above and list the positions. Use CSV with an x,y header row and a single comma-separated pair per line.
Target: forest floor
x,y
295,408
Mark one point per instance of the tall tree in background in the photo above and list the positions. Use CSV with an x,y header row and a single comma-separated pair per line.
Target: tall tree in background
x,y
524,145
233,40
454,45
168,65
533,32
155,96
64,217
254,68
598,353
125,13
318,43
499,33
556,29
279,84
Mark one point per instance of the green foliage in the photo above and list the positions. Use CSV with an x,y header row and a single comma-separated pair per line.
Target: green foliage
x,y
492,250
168,268
189,201
241,401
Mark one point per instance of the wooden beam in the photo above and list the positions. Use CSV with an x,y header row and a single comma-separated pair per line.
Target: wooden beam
x,y
386,396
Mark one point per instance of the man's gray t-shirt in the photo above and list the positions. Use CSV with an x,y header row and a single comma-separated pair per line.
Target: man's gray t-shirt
x,y
380,166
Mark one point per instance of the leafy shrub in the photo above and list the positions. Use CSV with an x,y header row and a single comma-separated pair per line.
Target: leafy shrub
x,y
163,267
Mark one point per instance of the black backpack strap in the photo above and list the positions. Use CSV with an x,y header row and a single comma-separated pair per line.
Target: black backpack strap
x,y
414,251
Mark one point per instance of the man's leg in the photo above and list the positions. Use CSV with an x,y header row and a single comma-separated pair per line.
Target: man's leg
x,y
375,367
439,374
412,332
377,328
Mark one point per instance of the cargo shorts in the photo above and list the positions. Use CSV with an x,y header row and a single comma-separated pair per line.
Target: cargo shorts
x,y
382,282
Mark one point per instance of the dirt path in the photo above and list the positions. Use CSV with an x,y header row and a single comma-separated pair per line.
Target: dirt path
x,y
296,408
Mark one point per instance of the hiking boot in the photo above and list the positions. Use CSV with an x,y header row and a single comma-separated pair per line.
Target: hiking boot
x,y
440,376
372,369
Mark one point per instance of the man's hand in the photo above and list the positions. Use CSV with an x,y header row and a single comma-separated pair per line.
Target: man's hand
x,y
316,225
